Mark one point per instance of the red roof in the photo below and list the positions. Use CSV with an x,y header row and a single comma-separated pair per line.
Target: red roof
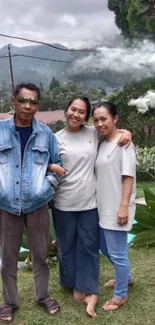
x,y
49,117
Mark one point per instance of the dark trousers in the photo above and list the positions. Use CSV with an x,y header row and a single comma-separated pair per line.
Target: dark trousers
x,y
78,245
37,226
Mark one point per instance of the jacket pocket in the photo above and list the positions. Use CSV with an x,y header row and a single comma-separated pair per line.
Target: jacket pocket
x,y
5,154
41,155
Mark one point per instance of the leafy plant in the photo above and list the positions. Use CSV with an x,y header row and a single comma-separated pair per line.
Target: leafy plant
x,y
146,161
144,229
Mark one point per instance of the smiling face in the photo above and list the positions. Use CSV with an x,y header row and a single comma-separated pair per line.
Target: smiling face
x,y
104,122
76,115
25,110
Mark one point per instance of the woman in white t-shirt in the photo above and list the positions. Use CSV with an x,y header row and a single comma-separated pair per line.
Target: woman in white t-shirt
x,y
115,169
75,213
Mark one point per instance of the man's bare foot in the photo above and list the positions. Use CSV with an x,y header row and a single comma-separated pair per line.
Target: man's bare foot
x,y
51,306
6,313
114,303
79,296
5,319
111,283
54,311
91,301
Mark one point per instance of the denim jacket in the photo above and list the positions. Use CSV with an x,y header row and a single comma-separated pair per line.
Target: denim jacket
x,y
26,187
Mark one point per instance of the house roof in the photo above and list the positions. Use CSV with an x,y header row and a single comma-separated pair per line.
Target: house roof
x,y
49,117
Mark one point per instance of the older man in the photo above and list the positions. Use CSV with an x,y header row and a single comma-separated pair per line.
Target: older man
x,y
26,148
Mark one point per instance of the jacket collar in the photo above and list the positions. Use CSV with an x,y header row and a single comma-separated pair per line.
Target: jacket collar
x,y
35,125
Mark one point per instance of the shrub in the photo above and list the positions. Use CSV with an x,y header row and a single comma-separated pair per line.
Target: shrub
x,y
144,229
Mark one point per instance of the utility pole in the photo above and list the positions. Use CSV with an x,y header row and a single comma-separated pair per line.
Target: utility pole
x,y
11,70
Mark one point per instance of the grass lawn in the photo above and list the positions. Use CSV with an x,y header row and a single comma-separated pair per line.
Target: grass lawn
x,y
139,310
141,185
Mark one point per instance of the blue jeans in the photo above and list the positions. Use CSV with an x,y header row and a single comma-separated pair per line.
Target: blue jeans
x,y
77,235
113,244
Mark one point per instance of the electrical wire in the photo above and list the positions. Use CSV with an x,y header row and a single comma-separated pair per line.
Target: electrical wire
x,y
48,44
33,57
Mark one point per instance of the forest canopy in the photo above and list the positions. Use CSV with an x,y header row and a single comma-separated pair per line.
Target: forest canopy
x,y
135,18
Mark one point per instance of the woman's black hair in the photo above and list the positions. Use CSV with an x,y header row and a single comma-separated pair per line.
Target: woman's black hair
x,y
85,100
108,105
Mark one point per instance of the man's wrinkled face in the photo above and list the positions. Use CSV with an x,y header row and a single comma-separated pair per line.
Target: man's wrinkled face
x,y
26,104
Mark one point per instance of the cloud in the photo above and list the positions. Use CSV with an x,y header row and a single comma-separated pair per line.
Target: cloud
x,y
68,19
73,23
138,60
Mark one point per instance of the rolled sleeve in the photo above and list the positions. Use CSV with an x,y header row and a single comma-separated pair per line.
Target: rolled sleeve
x,y
128,161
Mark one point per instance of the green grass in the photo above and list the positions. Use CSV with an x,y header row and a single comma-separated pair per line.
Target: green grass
x,y
141,185
140,308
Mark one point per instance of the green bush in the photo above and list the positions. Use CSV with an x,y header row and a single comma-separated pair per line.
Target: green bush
x,y
143,177
59,125
144,229
146,162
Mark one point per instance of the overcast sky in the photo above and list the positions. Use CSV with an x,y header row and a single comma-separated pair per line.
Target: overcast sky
x,y
71,22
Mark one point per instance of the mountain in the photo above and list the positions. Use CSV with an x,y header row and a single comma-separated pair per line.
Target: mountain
x,y
34,70
30,69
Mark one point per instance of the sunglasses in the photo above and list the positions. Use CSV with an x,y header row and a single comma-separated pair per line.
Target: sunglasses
x,y
22,100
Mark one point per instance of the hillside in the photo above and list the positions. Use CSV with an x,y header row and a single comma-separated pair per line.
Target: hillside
x,y
34,70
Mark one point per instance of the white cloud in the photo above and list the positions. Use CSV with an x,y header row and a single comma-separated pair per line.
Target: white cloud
x,y
63,21
139,60
70,20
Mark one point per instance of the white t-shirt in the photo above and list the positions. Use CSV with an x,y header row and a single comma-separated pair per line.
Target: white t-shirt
x,y
77,189
112,163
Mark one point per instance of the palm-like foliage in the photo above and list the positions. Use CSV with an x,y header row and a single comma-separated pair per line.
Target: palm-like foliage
x,y
144,228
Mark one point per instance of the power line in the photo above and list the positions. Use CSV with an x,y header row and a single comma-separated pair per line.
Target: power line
x,y
34,57
48,44
40,58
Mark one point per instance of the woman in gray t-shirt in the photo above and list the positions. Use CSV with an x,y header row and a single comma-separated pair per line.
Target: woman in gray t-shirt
x,y
115,169
75,213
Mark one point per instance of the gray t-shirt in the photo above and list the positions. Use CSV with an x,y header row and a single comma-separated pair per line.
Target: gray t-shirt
x,y
112,163
77,188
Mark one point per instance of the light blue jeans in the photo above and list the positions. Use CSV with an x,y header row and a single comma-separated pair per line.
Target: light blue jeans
x,y
113,244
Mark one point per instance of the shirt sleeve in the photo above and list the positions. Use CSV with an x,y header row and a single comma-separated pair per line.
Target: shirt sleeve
x,y
54,158
128,161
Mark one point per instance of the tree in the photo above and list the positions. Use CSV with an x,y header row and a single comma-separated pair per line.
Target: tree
x,y
54,83
59,125
41,87
94,93
129,117
133,17
45,102
5,103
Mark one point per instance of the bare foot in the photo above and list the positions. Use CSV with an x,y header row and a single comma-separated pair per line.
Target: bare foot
x,y
91,301
51,306
114,303
54,311
79,296
6,313
111,283
7,319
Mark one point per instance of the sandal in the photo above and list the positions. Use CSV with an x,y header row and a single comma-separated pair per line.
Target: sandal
x,y
50,305
114,304
7,311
